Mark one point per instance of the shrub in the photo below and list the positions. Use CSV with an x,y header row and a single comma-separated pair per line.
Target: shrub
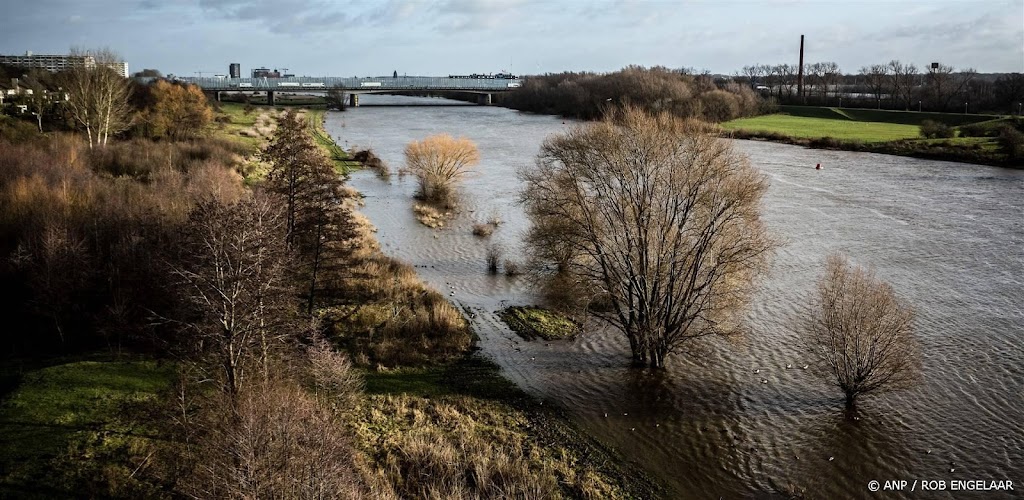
x,y
482,230
935,130
493,258
975,130
1011,142
511,267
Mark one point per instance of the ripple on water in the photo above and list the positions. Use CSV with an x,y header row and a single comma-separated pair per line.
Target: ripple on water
x,y
949,237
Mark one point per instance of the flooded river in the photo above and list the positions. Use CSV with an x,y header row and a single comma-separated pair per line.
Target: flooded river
x,y
949,237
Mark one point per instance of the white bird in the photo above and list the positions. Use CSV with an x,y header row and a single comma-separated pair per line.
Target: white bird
x,y
605,415
757,370
831,458
805,367
764,381
789,366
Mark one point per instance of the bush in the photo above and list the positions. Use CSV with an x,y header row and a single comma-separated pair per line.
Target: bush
x,y
976,130
935,130
483,230
493,258
1011,142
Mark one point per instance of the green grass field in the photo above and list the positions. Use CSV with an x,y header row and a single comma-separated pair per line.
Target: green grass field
x,y
883,115
68,427
811,128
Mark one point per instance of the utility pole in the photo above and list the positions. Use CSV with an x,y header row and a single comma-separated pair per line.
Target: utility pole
x,y
800,74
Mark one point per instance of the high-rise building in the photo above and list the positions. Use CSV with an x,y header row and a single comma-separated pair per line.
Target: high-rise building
x,y
59,62
235,70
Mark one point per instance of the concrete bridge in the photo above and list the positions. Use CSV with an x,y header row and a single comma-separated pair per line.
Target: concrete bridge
x,y
353,86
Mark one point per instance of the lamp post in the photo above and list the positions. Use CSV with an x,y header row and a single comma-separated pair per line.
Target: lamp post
x,y
965,108
918,106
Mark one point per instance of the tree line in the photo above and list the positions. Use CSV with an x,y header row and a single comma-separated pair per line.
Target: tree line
x,y
891,85
101,104
658,89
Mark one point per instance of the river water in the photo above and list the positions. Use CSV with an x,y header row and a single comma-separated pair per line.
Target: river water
x,y
949,237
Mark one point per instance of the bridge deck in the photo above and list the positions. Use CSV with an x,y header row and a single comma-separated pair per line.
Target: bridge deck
x,y
356,84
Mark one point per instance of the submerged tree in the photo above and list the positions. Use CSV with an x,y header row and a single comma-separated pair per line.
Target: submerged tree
x,y
655,217
861,333
439,162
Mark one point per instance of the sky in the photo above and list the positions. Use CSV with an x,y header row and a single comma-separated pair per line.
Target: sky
x,y
442,37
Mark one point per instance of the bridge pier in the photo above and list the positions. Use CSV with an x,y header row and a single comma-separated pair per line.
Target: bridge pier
x,y
353,100
484,99
270,98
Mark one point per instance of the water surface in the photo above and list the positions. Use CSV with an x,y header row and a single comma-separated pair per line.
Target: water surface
x,y
949,237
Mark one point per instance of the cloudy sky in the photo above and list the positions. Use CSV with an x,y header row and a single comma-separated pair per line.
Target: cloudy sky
x,y
440,37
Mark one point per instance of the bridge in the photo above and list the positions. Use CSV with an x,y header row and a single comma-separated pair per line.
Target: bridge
x,y
353,86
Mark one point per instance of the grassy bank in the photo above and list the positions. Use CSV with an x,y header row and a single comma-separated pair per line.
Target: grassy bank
x,y
878,131
343,161
82,429
462,430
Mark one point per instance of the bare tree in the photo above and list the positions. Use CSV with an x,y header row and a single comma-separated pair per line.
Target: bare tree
x,y
98,96
439,162
861,333
901,82
875,79
233,282
659,219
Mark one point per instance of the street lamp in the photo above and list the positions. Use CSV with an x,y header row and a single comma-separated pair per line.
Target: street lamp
x,y
918,106
965,108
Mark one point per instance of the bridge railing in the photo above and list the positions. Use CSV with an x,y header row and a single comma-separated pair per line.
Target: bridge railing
x,y
354,83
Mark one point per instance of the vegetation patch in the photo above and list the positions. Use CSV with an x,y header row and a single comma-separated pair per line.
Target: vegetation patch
x,y
463,431
429,216
809,128
83,429
533,322
343,162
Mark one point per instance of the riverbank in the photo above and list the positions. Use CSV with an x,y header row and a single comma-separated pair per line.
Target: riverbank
x,y
885,132
434,419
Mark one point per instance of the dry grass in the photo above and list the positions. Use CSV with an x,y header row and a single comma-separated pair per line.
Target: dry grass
x,y
397,320
511,267
430,216
461,447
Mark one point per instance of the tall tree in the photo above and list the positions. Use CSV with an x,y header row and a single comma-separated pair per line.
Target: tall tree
x,y
656,217
98,96
875,79
176,111
233,280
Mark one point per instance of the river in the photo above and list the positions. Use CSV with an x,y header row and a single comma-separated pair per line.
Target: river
x,y
949,237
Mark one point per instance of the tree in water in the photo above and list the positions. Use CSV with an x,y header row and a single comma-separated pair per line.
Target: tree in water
x,y
653,222
439,162
861,333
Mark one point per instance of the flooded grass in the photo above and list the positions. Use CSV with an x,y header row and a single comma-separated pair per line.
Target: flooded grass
x,y
464,431
533,322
